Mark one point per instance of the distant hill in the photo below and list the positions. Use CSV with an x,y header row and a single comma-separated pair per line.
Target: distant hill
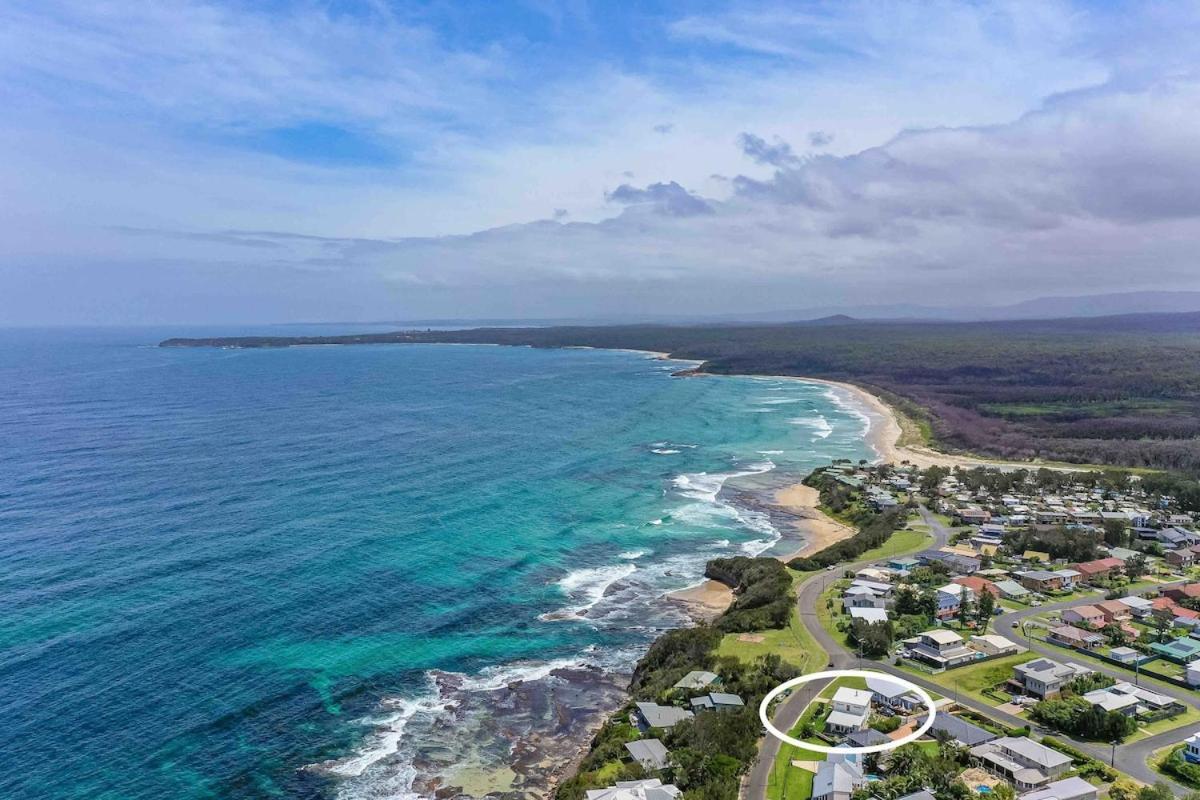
x,y
1038,308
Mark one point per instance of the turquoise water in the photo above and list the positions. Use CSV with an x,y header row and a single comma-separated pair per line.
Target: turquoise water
x,y
220,567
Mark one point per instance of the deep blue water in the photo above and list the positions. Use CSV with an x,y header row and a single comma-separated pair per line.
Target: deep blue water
x,y
217,563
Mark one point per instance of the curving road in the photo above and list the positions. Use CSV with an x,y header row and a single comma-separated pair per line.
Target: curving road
x,y
787,714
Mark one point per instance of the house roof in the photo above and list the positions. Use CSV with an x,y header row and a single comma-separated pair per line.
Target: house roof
x,y
651,789
1032,751
941,636
696,679
1087,610
1072,788
842,777
1011,587
657,716
854,697
1075,634
977,584
961,731
1099,565
650,751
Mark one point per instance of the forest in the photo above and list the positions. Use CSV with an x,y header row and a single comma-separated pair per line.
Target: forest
x,y
1119,390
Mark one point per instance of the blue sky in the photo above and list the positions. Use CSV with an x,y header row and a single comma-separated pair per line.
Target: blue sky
x,y
202,161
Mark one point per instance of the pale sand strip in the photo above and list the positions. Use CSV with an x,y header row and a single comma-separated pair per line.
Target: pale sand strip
x,y
705,601
818,528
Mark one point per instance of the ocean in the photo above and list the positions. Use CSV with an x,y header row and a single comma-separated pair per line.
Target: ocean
x,y
325,572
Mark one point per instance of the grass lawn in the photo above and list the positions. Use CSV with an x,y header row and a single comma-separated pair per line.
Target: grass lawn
x,y
900,543
794,644
1190,717
971,681
828,614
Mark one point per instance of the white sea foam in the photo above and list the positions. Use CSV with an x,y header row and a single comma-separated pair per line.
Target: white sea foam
x,y
586,588
817,424
631,555
846,402
710,511
664,451
779,401
770,452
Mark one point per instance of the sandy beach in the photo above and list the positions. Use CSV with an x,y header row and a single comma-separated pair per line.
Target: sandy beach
x,y
705,601
818,529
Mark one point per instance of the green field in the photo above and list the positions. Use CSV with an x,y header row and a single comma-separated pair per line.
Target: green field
x,y
900,543
794,644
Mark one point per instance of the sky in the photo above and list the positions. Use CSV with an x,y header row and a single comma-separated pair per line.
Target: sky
x,y
190,161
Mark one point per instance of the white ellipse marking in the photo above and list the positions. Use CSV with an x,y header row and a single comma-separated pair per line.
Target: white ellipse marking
x,y
847,673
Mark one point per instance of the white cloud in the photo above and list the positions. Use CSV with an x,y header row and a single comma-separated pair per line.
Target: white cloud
x,y
939,183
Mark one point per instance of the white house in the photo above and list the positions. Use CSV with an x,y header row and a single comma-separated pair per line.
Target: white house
x,y
1072,788
1193,673
1191,749
650,789
851,707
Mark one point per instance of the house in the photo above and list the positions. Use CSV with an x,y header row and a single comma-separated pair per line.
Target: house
x,y
960,731
1099,570
867,737
895,696
1113,611
1181,651
1071,636
923,794
878,587
650,753
903,564
1140,607
1125,655
652,715
1180,558
875,575
1070,578
1191,749
650,789
851,707
869,615
973,516
977,585
1113,701
697,679
1043,678
716,701
1122,554
941,648
862,597
836,780
1039,580
991,644
1193,673
1023,762
1087,614
961,564
950,599
1072,788
1011,590
1184,592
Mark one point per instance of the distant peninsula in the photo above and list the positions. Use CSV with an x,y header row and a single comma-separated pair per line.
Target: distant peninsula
x,y
1119,390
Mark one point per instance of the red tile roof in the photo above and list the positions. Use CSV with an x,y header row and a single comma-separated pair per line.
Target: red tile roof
x,y
1099,565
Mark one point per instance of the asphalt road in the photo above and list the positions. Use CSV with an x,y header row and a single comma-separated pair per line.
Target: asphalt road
x,y
1131,757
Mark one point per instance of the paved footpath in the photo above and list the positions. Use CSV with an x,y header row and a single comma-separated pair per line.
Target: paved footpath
x,y
1132,760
